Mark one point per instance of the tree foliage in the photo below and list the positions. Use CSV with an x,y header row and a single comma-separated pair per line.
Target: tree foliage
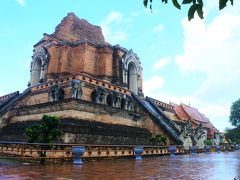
x,y
158,139
234,118
208,142
233,134
45,132
195,6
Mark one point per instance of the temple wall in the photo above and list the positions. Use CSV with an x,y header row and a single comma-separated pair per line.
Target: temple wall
x,y
82,112
91,60
105,63
78,54
85,58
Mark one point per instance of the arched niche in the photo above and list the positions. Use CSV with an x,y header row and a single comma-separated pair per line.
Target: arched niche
x,y
39,66
132,72
132,78
36,72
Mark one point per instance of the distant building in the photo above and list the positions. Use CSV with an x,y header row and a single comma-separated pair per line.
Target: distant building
x,y
183,113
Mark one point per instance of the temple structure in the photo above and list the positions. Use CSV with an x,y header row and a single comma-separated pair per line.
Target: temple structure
x,y
95,88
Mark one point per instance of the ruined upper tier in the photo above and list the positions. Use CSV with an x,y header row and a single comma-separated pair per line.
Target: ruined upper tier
x,y
73,28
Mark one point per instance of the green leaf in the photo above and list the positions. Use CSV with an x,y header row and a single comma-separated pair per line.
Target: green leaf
x,y
231,2
145,2
222,4
165,1
187,1
176,4
200,2
200,11
192,10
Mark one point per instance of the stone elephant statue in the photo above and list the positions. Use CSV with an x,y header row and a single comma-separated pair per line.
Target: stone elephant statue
x,y
55,93
76,89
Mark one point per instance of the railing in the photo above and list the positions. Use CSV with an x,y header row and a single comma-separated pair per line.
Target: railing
x,y
162,104
2,98
83,78
24,151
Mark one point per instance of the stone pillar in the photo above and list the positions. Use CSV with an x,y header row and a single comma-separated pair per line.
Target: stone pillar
x,y
42,73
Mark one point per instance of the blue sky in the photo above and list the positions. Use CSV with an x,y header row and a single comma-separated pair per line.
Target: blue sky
x,y
193,62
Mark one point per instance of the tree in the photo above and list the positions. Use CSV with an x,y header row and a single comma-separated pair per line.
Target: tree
x,y
208,142
234,118
195,6
158,139
233,134
45,132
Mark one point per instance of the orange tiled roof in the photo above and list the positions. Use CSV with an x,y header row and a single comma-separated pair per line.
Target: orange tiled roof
x,y
194,113
181,113
186,113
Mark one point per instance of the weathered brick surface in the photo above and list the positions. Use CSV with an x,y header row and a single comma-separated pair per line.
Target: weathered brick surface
x,y
82,111
85,58
73,28
79,47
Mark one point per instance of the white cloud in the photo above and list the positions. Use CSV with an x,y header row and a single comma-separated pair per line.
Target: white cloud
x,y
115,27
136,13
153,85
214,50
161,63
150,12
159,28
21,2
113,17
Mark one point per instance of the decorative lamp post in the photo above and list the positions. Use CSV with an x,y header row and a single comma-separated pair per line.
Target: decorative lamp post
x,y
193,150
138,153
172,150
207,149
218,149
77,152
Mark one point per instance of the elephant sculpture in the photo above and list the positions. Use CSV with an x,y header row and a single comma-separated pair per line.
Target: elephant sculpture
x,y
76,89
116,99
55,93
127,102
98,95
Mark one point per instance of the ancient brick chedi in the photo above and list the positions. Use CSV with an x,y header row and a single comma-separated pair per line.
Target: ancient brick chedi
x,y
79,47
95,88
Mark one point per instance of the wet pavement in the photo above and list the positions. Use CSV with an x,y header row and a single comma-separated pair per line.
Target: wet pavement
x,y
215,166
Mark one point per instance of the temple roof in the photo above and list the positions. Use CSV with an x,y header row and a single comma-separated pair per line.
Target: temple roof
x,y
194,113
181,113
72,28
186,113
